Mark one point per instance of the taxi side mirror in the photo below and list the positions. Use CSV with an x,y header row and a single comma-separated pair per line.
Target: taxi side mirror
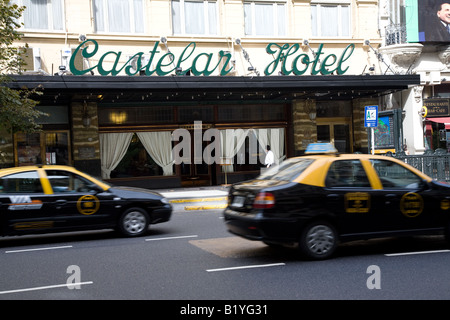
x,y
95,188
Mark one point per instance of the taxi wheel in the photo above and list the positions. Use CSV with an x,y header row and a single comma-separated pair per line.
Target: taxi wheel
x,y
133,222
318,240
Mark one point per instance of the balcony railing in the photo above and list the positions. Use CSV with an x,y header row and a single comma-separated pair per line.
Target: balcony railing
x,y
395,34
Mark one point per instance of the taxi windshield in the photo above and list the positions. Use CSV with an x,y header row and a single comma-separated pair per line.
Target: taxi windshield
x,y
287,170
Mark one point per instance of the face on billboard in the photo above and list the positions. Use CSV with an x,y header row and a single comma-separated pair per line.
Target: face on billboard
x,y
433,20
444,13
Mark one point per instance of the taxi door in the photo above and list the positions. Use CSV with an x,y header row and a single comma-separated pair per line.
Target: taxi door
x,y
24,206
405,202
349,196
77,202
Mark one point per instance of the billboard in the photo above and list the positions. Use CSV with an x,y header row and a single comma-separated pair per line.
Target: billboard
x,y
427,20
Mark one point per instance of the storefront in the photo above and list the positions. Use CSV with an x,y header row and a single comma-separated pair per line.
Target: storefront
x,y
125,129
437,124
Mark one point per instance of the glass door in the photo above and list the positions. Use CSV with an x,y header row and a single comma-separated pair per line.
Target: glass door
x,y
196,172
337,132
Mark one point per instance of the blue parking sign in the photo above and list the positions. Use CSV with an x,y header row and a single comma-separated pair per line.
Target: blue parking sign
x,y
371,116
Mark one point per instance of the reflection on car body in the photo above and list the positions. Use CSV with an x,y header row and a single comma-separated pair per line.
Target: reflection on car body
x,y
40,199
318,200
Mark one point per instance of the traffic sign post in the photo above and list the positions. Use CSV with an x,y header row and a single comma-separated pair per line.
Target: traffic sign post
x,y
371,121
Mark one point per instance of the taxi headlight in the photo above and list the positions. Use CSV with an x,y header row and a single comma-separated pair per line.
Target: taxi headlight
x,y
165,200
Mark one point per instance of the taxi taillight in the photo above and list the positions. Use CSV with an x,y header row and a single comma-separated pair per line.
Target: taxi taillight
x,y
264,200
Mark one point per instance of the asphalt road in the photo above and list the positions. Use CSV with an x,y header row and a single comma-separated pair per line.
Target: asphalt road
x,y
193,258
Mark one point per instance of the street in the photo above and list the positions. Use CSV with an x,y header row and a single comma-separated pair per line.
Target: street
x,y
193,257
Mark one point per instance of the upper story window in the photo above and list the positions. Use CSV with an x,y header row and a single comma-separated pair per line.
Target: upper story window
x,y
265,18
330,18
195,17
119,16
42,14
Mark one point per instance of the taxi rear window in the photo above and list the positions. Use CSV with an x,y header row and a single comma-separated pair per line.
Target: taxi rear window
x,y
287,171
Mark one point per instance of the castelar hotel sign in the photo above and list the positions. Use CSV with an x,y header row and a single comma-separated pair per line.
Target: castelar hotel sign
x,y
289,58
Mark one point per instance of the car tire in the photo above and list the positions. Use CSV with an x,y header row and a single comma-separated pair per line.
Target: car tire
x,y
318,240
133,222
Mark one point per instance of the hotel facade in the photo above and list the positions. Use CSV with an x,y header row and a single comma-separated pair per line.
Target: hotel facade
x,y
128,82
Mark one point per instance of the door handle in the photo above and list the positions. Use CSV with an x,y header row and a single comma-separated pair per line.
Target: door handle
x,y
60,203
389,197
333,196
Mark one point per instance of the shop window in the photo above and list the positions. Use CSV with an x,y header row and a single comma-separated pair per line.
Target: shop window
x,y
194,17
234,113
42,14
135,115
265,18
48,147
195,113
325,109
136,162
120,16
330,20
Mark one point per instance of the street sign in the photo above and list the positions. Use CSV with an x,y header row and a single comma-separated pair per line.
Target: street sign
x,y
371,116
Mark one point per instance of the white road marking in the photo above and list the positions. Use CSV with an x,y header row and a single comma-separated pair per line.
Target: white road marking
x,y
47,287
38,249
247,267
170,238
412,253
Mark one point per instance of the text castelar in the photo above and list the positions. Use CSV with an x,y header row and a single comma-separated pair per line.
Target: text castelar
x,y
285,56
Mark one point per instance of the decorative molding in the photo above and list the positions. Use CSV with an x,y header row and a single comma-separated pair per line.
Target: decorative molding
x,y
403,56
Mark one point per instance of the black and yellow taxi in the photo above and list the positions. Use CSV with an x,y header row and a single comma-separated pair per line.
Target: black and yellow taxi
x,y
42,199
323,198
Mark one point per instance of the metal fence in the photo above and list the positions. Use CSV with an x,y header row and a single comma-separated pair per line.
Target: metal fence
x,y
436,165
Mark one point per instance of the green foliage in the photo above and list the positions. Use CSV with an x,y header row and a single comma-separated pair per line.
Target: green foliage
x,y
17,109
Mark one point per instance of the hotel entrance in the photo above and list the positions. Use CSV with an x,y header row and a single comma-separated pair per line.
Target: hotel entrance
x,y
194,171
336,131
334,124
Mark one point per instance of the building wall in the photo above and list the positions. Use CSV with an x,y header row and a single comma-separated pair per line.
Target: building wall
x,y
158,24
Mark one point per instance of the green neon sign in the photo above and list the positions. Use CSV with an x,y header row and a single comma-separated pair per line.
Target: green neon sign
x,y
203,65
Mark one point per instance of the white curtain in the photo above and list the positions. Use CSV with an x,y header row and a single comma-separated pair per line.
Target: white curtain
x,y
274,137
113,146
159,147
36,14
119,15
231,141
194,17
276,142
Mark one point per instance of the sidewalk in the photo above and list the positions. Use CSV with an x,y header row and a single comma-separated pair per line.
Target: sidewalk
x,y
196,198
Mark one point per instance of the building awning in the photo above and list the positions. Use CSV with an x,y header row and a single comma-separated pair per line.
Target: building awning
x,y
444,120
202,89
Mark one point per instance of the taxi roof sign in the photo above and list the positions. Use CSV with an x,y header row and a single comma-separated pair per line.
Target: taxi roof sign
x,y
320,148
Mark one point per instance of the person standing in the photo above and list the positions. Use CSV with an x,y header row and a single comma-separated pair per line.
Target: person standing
x,y
269,161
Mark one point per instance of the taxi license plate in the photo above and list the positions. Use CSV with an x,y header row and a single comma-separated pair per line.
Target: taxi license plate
x,y
238,201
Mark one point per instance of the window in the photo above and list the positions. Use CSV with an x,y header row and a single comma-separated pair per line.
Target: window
x,y
136,162
194,17
347,173
330,20
24,182
265,18
42,14
63,181
120,16
395,176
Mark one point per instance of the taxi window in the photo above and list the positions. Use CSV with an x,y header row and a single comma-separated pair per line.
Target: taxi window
x,y
347,173
287,170
64,181
394,176
23,182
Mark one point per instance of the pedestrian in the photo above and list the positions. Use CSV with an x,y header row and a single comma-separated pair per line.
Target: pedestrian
x,y
268,162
